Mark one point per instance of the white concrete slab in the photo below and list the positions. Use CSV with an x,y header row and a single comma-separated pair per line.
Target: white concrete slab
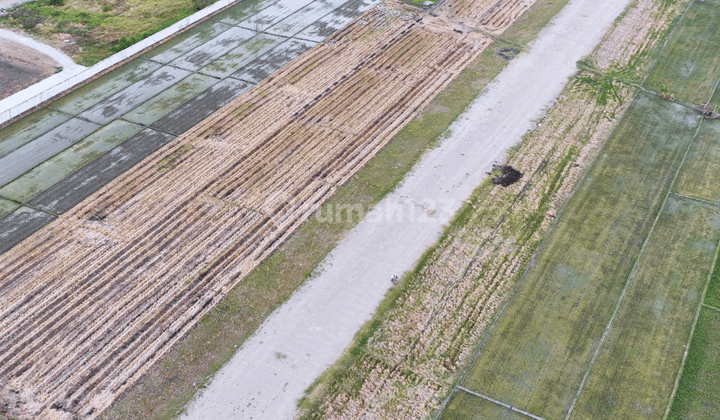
x,y
309,332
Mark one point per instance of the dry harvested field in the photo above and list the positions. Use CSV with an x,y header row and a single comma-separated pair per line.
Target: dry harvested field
x,y
493,16
91,301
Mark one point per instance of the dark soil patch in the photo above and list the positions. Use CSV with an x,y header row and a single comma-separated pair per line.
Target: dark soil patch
x,y
509,175
507,53
14,78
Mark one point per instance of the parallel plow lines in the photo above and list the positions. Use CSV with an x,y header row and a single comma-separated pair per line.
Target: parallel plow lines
x,y
90,302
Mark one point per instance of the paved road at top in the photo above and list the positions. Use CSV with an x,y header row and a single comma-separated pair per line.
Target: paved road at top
x,y
309,332
57,156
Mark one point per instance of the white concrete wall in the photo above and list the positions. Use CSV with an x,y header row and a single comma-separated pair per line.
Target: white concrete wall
x,y
35,95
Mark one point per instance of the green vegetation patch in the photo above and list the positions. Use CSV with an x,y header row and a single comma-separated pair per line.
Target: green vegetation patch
x,y
698,395
541,346
463,405
699,175
634,373
689,66
169,163
716,99
418,2
92,30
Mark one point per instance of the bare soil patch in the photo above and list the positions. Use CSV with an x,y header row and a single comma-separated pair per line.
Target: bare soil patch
x,y
21,66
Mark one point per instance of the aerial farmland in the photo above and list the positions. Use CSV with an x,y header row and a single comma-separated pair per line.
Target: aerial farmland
x,y
158,222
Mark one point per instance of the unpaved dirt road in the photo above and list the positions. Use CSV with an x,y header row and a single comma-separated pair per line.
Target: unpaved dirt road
x,y
309,332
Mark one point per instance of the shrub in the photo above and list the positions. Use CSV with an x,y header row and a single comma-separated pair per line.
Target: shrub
x,y
201,4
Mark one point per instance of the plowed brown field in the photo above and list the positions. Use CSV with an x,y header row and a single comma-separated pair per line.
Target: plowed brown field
x,y
90,302
492,16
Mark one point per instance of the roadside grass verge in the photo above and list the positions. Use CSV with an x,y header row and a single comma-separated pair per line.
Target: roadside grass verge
x,y
698,395
90,31
689,67
163,392
563,304
652,325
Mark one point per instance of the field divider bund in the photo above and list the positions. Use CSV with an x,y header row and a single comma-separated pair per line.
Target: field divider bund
x,y
21,203
710,306
627,282
12,111
692,329
508,406
712,203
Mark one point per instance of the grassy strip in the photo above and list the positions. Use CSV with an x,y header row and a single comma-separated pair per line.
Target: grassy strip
x,y
91,31
170,385
698,395
462,405
712,296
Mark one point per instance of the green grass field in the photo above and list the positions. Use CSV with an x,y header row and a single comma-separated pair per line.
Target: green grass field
x,y
633,375
689,66
540,347
698,396
699,176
